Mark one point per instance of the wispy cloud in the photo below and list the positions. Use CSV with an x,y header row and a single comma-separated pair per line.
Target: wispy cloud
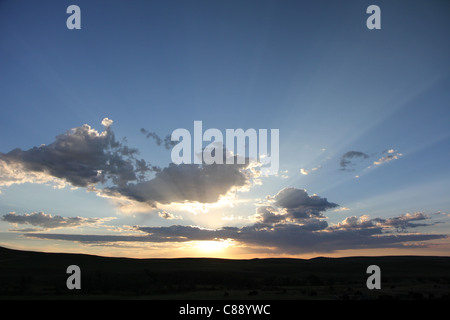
x,y
347,159
403,222
48,221
351,159
388,155
304,171
167,141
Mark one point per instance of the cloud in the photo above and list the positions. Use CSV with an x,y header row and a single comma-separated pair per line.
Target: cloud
x,y
299,205
312,236
292,221
389,155
346,159
347,162
403,222
91,238
399,224
306,172
292,205
107,122
16,173
168,143
169,216
268,215
48,221
294,224
82,157
341,209
353,223
186,183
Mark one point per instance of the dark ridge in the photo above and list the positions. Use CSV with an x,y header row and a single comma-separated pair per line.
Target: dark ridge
x,y
39,275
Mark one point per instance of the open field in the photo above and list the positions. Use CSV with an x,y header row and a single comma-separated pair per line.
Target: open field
x,y
37,275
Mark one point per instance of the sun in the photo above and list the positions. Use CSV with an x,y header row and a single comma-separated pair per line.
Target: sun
x,y
212,246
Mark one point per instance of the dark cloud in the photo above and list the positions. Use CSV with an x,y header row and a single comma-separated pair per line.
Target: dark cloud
x,y
269,215
83,157
348,162
92,238
399,223
313,236
297,204
403,222
346,159
188,233
185,182
25,230
169,216
47,221
167,141
293,205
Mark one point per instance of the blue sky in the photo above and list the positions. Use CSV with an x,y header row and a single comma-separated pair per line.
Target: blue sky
x,y
363,118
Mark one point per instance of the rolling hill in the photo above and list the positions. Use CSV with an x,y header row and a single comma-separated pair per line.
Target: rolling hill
x,y
39,275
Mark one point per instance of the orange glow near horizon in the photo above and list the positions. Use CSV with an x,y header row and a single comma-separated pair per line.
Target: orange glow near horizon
x,y
212,247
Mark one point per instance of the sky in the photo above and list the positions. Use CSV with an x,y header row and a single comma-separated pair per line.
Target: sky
x,y
86,118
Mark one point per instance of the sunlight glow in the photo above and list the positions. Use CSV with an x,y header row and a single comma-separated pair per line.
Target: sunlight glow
x,y
228,200
212,246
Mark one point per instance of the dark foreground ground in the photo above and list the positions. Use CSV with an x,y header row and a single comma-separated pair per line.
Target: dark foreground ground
x,y
36,275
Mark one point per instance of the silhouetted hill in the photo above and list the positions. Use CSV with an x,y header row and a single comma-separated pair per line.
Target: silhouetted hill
x,y
26,274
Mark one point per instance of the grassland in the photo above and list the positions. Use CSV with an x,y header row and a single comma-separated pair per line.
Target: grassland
x,y
38,275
